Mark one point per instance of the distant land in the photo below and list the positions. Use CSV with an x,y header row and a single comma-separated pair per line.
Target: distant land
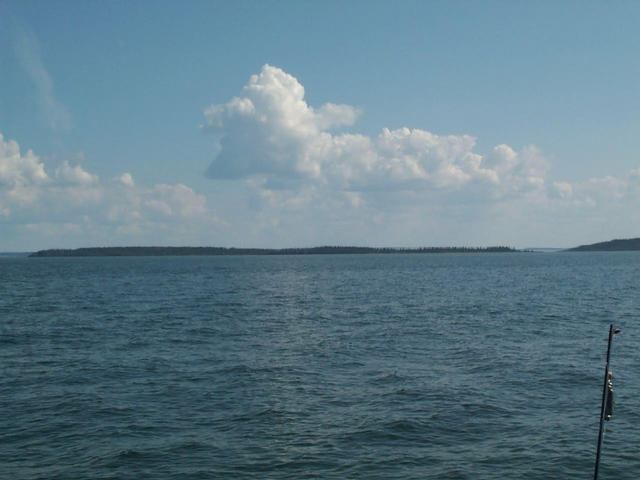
x,y
610,246
168,251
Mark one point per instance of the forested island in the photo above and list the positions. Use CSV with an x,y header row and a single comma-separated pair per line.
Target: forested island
x,y
327,250
610,246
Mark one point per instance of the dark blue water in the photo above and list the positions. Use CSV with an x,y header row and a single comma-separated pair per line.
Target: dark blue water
x,y
463,366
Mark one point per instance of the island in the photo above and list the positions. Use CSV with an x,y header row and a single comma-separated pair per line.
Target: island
x,y
178,251
610,246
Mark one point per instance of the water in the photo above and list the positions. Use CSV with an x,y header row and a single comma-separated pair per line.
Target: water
x,y
463,366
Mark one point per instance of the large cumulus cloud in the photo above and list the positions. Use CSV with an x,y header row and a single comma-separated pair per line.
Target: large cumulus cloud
x,y
271,130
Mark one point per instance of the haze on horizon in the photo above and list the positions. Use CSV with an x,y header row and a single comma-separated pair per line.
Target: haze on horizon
x,y
298,124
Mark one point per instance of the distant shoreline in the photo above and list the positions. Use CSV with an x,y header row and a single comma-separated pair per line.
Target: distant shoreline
x,y
616,245
629,244
193,251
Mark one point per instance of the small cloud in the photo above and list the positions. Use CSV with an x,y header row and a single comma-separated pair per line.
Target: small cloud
x,y
183,200
17,170
126,179
75,175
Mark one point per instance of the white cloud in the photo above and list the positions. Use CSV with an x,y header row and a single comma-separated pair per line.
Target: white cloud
x,y
74,175
18,170
176,200
271,130
126,179
75,205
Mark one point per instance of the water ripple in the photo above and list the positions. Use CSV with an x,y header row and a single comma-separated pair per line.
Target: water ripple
x,y
376,366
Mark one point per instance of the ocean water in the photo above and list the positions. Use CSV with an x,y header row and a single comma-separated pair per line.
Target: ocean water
x,y
446,366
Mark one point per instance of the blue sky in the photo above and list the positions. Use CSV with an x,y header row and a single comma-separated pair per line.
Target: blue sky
x,y
368,123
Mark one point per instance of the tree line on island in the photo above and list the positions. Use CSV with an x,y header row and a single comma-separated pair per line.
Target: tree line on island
x,y
325,250
609,246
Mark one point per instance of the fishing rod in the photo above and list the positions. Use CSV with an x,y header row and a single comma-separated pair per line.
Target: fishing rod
x,y
606,409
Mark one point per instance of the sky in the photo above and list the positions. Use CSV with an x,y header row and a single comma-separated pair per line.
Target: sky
x,y
298,123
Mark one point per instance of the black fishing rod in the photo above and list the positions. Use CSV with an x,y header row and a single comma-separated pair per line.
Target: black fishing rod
x,y
606,409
